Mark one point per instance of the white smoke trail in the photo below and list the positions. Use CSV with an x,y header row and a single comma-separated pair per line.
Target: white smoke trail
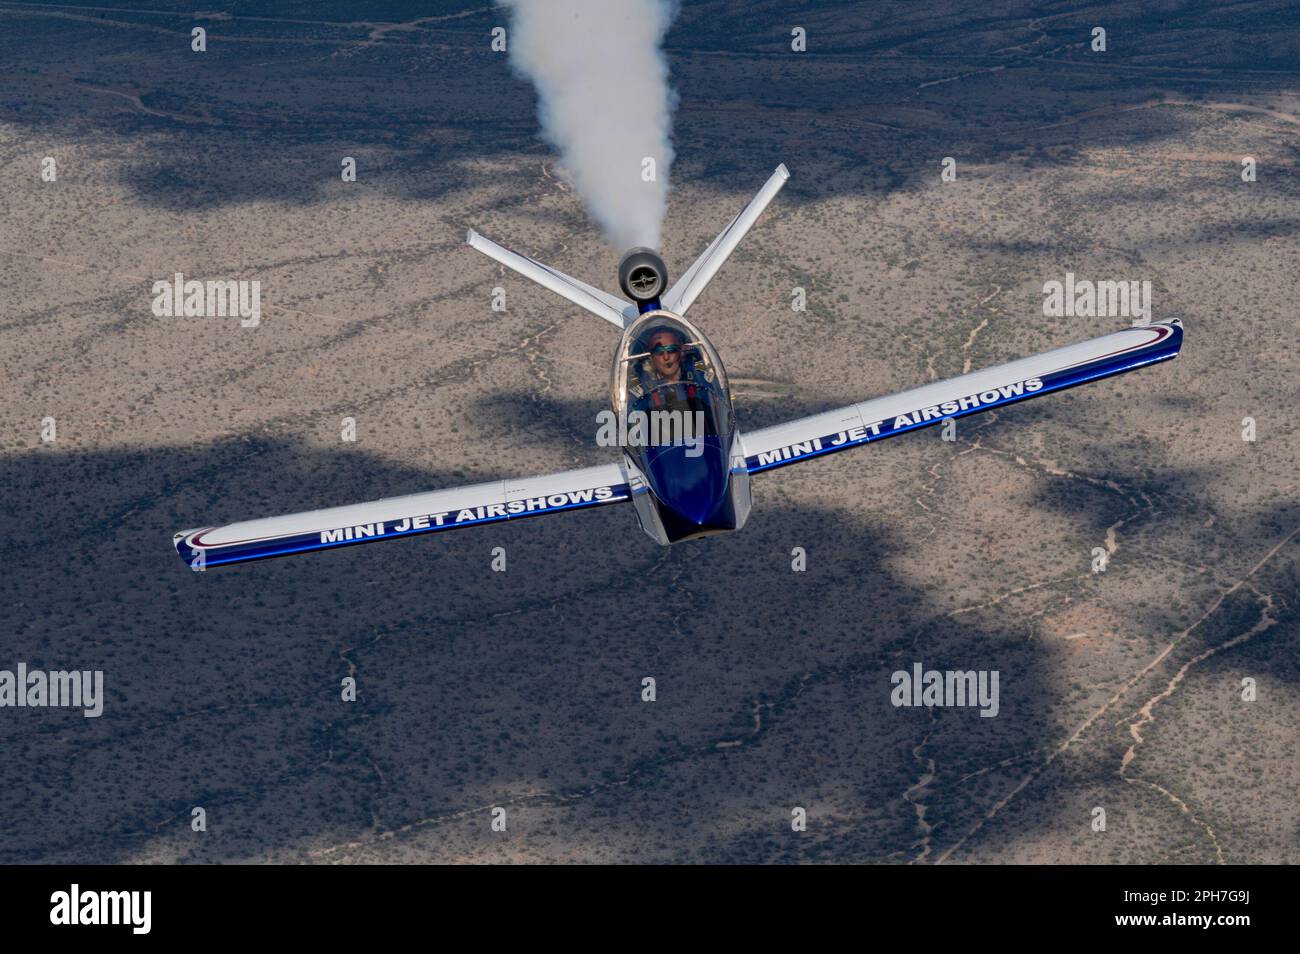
x,y
604,102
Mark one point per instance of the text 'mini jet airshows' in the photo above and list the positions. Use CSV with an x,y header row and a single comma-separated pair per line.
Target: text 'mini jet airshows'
x,y
679,489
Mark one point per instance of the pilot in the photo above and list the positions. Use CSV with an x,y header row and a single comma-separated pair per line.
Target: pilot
x,y
665,349
670,361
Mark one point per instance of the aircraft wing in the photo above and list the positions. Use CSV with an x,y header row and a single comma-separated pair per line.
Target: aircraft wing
x,y
687,288
610,307
403,516
884,417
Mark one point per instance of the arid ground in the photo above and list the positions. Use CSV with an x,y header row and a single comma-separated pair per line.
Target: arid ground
x,y
1120,690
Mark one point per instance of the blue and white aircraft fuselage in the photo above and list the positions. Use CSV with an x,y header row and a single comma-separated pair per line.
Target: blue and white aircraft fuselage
x,y
683,489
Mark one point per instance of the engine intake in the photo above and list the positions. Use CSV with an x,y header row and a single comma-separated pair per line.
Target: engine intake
x,y
642,275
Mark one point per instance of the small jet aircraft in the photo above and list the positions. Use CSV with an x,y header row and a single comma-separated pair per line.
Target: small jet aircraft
x,y
679,489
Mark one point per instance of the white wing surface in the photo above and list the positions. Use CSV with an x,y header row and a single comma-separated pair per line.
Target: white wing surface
x,y
402,516
693,281
1019,380
610,307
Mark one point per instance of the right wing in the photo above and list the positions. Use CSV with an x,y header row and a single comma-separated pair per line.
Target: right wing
x,y
687,288
883,417
402,516
610,307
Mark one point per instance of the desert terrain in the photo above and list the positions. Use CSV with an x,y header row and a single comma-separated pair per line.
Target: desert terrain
x,y
522,689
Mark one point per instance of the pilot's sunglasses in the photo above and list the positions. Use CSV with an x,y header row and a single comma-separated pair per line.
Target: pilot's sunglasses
x,y
665,349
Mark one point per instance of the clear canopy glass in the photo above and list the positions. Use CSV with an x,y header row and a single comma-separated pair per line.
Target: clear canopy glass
x,y
665,364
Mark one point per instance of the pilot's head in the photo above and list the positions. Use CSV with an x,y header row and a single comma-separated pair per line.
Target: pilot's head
x,y
665,347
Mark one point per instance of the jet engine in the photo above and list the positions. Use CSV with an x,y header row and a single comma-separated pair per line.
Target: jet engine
x,y
643,276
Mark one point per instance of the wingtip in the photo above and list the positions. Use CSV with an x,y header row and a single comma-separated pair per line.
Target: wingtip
x,y
181,547
785,173
470,236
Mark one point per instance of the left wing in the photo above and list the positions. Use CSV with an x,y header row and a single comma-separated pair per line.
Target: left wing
x,y
402,516
969,394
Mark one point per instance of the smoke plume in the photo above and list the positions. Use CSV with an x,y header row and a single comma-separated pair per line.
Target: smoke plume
x,y
604,103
